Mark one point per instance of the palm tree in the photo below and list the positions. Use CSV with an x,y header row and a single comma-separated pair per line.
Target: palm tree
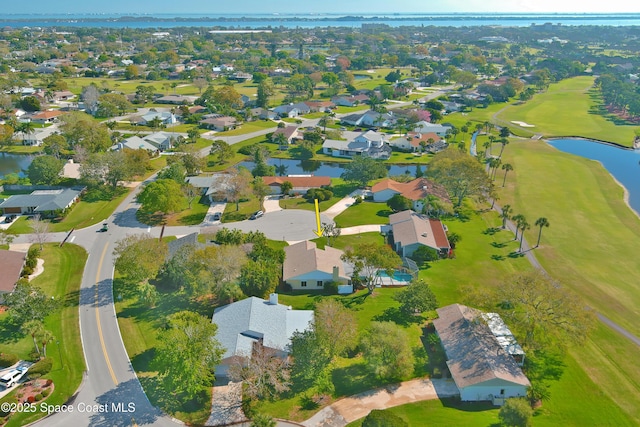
x,y
506,168
33,328
280,139
506,211
524,225
541,222
504,142
518,220
45,338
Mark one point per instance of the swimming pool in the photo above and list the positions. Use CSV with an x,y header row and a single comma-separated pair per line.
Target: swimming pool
x,y
398,276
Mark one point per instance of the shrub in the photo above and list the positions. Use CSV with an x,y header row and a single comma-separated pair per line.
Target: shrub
x,y
321,194
248,149
26,271
41,367
383,418
8,359
516,412
46,392
424,254
31,399
31,263
38,397
34,252
49,382
331,287
358,200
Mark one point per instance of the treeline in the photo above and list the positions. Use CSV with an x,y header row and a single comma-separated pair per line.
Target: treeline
x,y
620,94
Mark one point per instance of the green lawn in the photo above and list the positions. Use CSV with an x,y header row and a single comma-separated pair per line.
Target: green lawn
x,y
584,206
249,127
244,211
340,189
186,216
569,108
351,241
364,213
213,166
61,279
20,149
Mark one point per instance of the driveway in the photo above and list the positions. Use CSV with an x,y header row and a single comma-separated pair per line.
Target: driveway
x,y
352,408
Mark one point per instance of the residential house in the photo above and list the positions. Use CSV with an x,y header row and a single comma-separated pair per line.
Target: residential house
x,y
11,263
370,119
416,190
189,240
176,99
264,114
371,144
478,363
306,267
212,186
165,117
426,127
154,142
254,321
320,106
413,142
220,123
301,183
350,100
290,133
410,231
49,116
43,202
292,110
63,95
135,143
36,138
241,76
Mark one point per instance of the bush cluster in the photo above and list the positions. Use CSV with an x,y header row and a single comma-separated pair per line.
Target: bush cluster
x,y
8,359
40,368
321,194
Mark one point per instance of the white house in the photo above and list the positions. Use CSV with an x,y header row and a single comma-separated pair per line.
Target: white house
x,y
254,321
479,365
36,138
426,127
370,143
410,231
306,267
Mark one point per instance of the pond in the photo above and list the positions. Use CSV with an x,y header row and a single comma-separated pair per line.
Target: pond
x,y
14,163
623,164
318,168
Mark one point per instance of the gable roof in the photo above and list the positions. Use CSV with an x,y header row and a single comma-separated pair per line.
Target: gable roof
x,y
298,181
11,263
175,245
287,131
409,228
417,189
244,322
304,257
474,355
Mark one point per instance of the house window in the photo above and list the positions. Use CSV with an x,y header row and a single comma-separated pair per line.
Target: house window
x,y
320,284
303,283
501,392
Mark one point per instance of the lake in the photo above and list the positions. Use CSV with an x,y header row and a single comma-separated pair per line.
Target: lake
x,y
14,163
331,169
623,164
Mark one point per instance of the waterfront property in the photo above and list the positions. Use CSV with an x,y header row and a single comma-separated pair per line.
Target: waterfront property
x,y
252,322
211,186
301,184
478,363
370,144
417,191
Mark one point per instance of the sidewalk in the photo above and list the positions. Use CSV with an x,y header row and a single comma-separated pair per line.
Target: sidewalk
x,y
342,204
352,408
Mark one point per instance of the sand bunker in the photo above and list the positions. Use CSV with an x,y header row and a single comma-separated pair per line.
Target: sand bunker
x,y
522,124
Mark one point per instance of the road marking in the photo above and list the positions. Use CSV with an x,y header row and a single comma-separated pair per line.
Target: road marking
x,y
72,239
104,347
149,230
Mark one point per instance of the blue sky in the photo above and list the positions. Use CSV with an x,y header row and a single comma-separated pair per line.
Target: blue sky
x,y
311,6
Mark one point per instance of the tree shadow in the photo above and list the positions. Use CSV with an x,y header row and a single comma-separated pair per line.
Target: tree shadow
x,y
516,254
384,213
498,245
497,257
395,315
355,301
491,231
98,295
125,405
142,361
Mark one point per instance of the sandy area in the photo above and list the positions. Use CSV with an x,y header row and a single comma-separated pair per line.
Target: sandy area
x,y
522,124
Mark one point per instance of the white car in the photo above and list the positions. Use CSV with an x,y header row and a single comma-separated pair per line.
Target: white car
x,y
12,377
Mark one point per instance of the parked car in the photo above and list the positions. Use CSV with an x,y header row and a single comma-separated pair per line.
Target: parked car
x,y
217,216
12,377
257,215
9,218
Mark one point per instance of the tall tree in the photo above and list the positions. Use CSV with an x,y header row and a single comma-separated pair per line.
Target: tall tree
x,y
460,174
524,225
264,373
416,298
139,257
163,195
260,190
39,230
222,150
505,215
506,168
517,219
335,326
363,169
503,143
28,302
187,353
46,337
237,185
385,348
45,170
33,328
369,259
259,278
541,222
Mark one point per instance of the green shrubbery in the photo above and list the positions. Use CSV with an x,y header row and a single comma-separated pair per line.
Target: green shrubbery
x,y
321,194
383,418
40,368
8,359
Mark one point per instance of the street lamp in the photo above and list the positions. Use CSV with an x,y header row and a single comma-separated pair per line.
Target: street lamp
x,y
60,355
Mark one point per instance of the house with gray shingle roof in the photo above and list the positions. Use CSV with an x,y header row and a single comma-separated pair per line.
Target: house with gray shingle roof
x,y
480,366
43,202
255,321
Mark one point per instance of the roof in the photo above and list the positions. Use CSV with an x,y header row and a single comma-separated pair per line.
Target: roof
x,y
409,228
11,263
47,115
417,189
42,200
135,143
175,245
287,131
298,181
474,355
305,257
242,323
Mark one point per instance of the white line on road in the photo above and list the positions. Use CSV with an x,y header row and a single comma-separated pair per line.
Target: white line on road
x,y
72,239
149,230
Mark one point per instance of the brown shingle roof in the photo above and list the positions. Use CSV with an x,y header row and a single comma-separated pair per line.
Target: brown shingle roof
x,y
409,228
11,263
305,257
473,352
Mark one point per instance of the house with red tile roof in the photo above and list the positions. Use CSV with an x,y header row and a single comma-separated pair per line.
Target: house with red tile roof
x,y
409,231
301,183
417,191
48,116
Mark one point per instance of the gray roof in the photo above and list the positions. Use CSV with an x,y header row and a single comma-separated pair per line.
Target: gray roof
x,y
135,143
42,200
474,355
304,258
242,323
175,245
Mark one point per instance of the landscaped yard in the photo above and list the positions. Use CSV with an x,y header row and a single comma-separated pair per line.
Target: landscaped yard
x,y
244,211
340,190
364,213
249,127
186,216
61,279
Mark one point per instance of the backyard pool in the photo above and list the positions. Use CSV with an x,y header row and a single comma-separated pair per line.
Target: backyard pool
x,y
398,278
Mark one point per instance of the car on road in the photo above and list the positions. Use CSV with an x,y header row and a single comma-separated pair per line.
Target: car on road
x,y
217,216
105,227
12,377
257,215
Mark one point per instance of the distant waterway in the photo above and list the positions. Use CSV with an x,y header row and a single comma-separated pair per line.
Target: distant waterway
x,y
623,164
318,168
14,163
285,20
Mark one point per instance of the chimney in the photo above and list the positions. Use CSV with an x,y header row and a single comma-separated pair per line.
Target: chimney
x,y
336,273
273,299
